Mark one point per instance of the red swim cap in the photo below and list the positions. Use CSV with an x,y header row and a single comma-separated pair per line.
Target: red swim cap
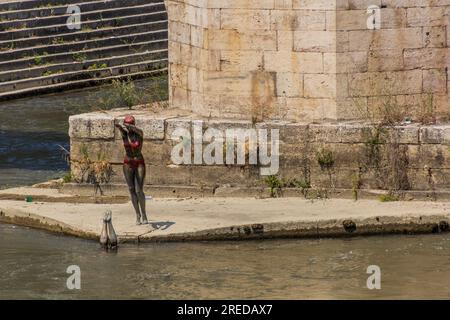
x,y
129,120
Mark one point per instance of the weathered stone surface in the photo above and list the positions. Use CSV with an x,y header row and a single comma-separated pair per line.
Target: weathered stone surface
x,y
404,134
428,156
153,127
231,58
410,156
94,126
435,134
95,150
176,123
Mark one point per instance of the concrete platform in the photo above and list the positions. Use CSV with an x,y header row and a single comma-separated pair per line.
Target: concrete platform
x,y
201,219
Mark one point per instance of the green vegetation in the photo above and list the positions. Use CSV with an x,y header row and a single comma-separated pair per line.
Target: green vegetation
x,y
38,60
49,72
127,94
356,185
384,158
68,178
95,66
79,57
426,113
303,185
96,172
274,184
151,94
58,40
49,5
325,158
388,197
86,29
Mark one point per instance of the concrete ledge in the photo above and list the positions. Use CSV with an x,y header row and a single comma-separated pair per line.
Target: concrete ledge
x,y
78,84
233,219
83,35
95,74
107,13
323,229
80,45
21,218
12,75
121,190
12,12
62,28
176,191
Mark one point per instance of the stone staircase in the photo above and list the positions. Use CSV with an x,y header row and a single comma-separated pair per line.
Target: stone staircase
x,y
117,39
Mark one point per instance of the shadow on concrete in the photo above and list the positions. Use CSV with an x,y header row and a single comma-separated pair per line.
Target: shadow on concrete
x,y
163,225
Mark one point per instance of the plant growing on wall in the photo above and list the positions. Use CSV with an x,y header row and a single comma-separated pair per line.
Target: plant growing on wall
x,y
384,154
153,93
326,160
126,93
275,185
303,185
96,172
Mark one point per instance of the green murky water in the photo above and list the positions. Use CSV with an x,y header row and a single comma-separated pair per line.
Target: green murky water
x,y
33,266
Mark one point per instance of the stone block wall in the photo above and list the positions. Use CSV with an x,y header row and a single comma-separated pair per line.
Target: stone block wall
x,y
308,60
323,155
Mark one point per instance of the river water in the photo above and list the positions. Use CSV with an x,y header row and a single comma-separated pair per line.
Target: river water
x,y
32,129
33,263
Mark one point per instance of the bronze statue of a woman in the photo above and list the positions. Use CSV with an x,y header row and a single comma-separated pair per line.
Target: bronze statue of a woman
x,y
134,166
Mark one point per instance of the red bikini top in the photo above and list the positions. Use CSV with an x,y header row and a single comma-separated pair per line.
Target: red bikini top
x,y
133,144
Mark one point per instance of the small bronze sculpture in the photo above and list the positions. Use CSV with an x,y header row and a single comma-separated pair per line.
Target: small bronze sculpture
x,y
134,166
108,237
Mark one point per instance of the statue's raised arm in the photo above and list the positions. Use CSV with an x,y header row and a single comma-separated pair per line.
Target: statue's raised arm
x,y
134,166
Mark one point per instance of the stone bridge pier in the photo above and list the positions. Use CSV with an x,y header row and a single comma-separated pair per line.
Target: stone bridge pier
x,y
308,68
307,60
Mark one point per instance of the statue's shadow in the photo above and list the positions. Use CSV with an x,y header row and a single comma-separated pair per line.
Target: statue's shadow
x,y
162,225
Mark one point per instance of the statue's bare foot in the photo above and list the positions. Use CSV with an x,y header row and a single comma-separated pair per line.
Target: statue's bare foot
x,y
144,219
138,222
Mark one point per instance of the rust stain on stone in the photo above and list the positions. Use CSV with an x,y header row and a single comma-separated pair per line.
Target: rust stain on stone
x,y
263,93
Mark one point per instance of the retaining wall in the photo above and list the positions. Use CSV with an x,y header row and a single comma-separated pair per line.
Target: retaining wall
x,y
351,156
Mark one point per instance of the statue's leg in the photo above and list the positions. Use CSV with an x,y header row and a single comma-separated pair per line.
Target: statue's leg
x,y
130,174
140,181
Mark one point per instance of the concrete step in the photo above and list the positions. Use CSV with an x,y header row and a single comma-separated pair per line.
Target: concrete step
x,y
142,66
92,5
117,39
84,65
85,17
31,4
90,54
16,94
87,26
82,45
82,35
